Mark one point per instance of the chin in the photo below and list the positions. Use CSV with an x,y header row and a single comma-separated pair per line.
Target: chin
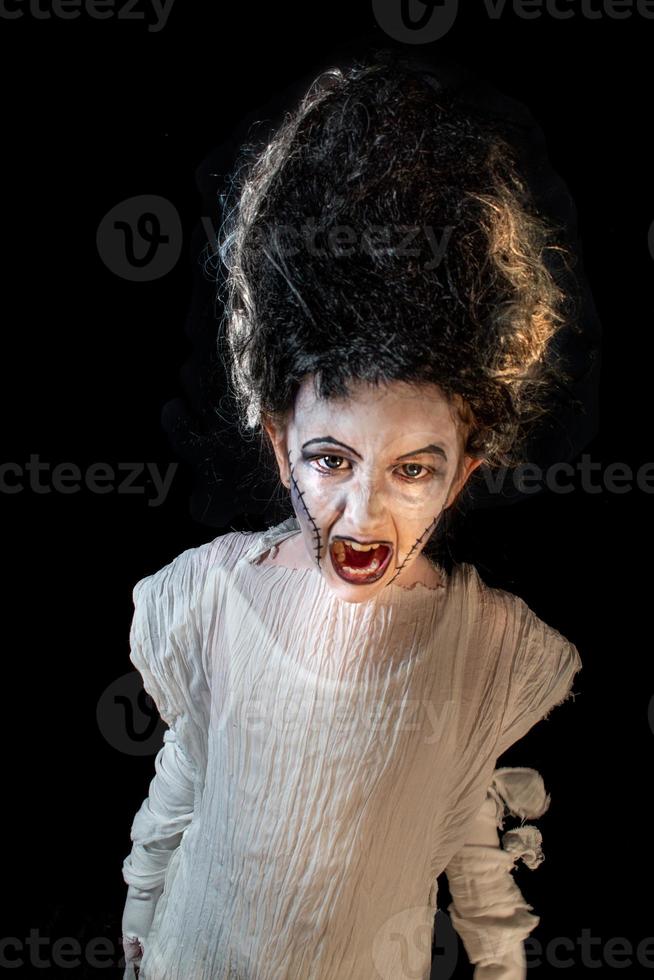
x,y
353,595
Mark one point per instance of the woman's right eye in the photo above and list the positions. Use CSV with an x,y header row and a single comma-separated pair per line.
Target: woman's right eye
x,y
328,468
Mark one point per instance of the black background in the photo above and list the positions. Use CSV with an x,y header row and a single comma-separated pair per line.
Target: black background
x,y
100,369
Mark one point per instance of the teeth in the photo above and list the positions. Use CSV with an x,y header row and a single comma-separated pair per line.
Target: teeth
x,y
362,573
362,547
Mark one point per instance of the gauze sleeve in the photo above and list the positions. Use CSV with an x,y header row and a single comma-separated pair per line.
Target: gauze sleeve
x,y
542,672
167,649
488,910
156,831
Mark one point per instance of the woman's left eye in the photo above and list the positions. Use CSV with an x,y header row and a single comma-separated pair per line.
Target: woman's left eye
x,y
420,467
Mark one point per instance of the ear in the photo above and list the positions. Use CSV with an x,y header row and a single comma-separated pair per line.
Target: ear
x,y
277,435
468,466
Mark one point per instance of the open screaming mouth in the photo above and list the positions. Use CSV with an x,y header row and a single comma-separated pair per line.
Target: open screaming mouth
x,y
360,563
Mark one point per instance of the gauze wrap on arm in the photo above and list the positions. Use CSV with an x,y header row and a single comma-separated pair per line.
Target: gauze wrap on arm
x,y
156,832
488,910
162,818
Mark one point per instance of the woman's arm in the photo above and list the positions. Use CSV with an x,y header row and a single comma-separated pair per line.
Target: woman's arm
x,y
167,649
488,910
157,830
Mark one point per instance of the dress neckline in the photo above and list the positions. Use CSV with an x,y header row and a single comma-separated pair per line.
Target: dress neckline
x,y
418,608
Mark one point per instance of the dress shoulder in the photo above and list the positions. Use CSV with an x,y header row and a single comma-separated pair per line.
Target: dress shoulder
x,y
166,638
543,666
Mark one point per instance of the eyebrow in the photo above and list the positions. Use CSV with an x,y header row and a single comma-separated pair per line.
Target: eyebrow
x,y
432,448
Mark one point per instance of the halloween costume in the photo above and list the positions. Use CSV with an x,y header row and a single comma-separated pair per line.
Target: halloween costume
x,y
324,762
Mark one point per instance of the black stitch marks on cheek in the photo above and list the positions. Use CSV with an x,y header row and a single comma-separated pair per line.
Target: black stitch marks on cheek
x,y
317,541
427,530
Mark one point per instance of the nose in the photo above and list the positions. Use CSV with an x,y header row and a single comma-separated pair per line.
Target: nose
x,y
364,512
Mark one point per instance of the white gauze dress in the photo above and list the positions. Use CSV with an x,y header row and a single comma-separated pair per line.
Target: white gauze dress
x,y
324,762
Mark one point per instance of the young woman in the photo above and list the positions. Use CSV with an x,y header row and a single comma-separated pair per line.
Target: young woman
x,y
337,697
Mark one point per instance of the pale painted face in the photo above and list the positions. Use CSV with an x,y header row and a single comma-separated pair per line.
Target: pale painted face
x,y
380,466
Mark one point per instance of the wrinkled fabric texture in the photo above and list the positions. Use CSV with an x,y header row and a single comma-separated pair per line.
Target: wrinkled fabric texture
x,y
488,909
325,762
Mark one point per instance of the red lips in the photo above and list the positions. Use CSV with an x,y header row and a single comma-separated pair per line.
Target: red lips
x,y
360,560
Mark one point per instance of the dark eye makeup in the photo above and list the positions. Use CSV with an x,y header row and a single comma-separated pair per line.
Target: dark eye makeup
x,y
327,470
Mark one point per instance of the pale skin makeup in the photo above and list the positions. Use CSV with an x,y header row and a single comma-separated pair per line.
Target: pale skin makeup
x,y
379,466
